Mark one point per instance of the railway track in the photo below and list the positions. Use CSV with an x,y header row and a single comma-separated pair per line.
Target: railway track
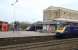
x,y
63,44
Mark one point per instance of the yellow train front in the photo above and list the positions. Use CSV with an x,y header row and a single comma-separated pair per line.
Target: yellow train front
x,y
67,32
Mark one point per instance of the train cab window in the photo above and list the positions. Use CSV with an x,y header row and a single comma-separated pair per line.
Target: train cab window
x,y
60,27
67,29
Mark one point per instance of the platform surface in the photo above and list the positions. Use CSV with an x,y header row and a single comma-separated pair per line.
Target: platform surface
x,y
23,34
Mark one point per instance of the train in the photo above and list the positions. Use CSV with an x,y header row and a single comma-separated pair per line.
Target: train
x,y
34,28
67,32
67,29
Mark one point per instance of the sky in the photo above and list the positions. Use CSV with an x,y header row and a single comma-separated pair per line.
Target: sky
x,y
30,10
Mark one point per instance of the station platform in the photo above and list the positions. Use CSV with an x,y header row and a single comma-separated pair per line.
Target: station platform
x,y
21,37
23,34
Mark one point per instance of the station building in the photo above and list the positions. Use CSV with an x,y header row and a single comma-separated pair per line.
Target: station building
x,y
51,13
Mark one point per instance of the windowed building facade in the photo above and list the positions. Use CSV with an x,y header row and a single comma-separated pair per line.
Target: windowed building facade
x,y
52,13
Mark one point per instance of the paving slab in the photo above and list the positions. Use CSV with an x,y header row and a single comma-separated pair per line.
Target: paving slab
x,y
21,37
23,34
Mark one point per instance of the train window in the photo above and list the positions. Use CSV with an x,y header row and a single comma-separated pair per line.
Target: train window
x,y
60,27
67,29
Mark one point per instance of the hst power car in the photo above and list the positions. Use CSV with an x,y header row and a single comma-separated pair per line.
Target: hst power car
x,y
67,32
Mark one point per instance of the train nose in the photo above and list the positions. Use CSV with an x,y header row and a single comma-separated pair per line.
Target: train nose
x,y
57,34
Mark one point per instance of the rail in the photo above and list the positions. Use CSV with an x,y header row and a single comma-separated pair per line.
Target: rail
x,y
38,45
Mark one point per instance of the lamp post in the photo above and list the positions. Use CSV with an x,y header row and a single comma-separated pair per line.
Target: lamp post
x,y
13,5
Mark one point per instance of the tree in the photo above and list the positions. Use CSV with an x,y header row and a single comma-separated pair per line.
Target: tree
x,y
24,25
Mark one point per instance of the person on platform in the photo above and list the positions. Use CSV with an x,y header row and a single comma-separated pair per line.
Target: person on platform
x,y
16,26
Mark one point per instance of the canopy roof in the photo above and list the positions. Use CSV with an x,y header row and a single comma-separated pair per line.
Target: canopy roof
x,y
66,20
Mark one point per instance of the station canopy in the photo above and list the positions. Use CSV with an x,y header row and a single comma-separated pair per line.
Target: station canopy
x,y
66,20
